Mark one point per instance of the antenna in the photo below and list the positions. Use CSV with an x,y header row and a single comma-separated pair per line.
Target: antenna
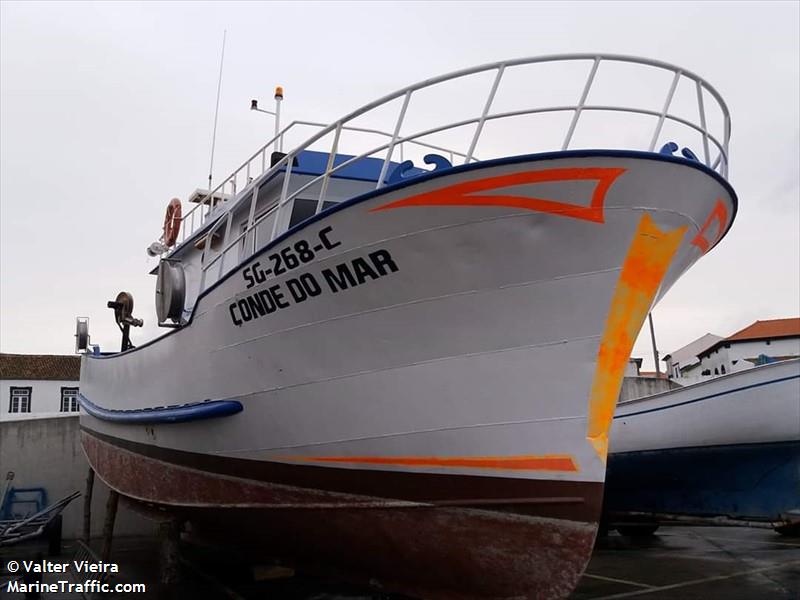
x,y
216,110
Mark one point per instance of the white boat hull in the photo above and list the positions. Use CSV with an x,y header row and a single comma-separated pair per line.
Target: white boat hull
x,y
461,345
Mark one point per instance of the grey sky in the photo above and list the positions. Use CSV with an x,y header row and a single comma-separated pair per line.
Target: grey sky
x,y
106,112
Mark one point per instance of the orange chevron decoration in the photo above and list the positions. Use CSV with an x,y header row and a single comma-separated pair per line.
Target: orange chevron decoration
x,y
548,462
718,213
469,193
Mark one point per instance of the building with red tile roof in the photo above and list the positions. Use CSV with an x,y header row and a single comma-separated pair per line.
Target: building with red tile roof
x,y
758,343
34,385
772,329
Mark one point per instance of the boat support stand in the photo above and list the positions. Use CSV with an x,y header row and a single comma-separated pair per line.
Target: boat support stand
x,y
169,536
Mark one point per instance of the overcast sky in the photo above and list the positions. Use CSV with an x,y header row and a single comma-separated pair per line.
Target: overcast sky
x,y
106,112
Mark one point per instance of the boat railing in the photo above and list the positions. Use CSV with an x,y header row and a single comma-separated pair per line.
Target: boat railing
x,y
256,164
714,153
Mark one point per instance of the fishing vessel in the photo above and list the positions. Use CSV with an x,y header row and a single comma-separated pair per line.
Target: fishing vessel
x,y
403,361
724,448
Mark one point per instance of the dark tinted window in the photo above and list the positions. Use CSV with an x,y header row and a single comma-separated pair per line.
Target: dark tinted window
x,y
264,194
304,208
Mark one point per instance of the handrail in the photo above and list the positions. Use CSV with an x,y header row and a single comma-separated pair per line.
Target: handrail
x,y
350,161
187,231
220,187
450,151
709,139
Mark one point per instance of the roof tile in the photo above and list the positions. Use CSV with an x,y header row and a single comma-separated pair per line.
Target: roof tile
x,y
774,328
40,366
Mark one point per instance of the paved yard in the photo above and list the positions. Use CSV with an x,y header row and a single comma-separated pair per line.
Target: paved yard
x,y
679,563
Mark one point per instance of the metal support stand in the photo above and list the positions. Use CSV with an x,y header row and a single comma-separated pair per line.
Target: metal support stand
x,y
108,526
126,337
169,534
87,506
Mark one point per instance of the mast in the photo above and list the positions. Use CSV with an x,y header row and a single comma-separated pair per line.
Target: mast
x,y
216,111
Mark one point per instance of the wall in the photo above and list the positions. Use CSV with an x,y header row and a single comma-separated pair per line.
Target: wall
x,y
46,452
632,368
639,387
45,397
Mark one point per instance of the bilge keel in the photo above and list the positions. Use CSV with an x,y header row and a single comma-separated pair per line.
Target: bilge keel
x,y
404,373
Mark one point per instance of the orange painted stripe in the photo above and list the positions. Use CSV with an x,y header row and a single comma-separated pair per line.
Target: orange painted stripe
x,y
720,214
643,270
511,463
467,193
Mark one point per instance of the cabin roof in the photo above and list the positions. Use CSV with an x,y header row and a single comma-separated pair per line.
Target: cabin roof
x,y
311,162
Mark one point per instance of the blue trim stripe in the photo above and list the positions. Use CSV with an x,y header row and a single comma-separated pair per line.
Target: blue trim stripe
x,y
746,387
184,413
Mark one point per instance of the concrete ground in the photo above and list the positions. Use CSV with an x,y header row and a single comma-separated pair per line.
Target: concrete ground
x,y
685,563
694,563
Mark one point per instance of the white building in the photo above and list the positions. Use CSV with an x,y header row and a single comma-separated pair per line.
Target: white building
x,y
684,363
36,385
712,355
633,367
763,341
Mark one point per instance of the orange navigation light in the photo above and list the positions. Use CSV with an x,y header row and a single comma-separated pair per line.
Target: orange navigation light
x,y
279,92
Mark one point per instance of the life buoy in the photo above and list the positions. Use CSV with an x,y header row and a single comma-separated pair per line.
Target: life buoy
x,y
172,222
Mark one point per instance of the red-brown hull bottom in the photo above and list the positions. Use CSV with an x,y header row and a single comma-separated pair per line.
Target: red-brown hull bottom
x,y
531,545
437,553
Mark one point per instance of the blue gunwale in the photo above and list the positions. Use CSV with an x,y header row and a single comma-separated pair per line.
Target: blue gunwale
x,y
433,175
183,413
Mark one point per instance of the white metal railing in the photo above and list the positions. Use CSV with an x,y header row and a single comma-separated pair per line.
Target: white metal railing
x,y
715,146
255,166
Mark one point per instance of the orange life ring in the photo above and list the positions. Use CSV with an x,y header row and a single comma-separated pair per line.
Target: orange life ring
x,y
172,222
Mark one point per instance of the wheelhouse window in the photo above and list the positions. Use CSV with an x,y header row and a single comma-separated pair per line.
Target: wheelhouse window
x,y
305,209
20,400
69,399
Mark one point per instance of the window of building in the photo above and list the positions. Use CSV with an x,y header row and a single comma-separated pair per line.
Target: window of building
x,y
20,401
769,342
69,399
722,369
